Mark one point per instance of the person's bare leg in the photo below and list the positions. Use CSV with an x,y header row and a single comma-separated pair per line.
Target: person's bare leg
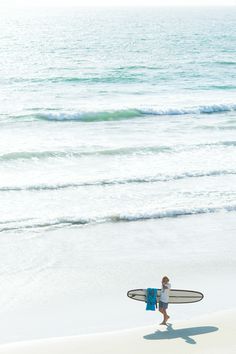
x,y
162,312
166,317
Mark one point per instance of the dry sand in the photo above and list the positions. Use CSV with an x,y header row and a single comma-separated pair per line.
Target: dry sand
x,y
210,334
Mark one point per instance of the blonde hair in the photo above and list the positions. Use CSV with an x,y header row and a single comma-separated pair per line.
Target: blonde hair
x,y
165,278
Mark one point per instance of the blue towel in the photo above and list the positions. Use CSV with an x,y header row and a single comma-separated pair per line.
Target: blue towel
x,y
151,299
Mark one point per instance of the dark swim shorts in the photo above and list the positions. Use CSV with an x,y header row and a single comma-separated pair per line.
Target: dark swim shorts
x,y
163,305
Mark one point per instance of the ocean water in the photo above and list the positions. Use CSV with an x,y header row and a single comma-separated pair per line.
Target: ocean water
x,y
110,115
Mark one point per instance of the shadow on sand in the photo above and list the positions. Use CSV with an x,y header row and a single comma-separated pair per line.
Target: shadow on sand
x,y
184,333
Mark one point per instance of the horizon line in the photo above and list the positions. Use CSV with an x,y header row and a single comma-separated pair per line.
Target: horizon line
x,y
38,5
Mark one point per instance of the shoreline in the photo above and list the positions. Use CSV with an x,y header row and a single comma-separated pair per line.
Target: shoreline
x,y
211,333
59,299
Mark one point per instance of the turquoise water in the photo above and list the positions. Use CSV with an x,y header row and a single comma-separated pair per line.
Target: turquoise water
x,y
110,115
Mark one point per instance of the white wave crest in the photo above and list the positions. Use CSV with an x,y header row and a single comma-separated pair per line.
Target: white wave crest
x,y
202,109
67,222
128,113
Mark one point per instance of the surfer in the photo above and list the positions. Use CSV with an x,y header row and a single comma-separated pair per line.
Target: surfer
x,y
164,299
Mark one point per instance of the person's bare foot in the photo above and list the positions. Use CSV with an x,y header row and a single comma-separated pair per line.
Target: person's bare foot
x,y
163,323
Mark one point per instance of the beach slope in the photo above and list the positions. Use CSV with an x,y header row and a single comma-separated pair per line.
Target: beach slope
x,y
213,333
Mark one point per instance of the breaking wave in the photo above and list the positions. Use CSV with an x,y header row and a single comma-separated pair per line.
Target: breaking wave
x,y
107,182
68,222
127,113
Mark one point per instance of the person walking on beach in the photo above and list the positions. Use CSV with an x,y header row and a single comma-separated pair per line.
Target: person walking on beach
x,y
164,299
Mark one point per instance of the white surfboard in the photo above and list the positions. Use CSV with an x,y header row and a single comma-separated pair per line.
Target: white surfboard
x,y
175,296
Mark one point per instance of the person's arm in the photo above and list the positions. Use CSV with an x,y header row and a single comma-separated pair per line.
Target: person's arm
x,y
166,286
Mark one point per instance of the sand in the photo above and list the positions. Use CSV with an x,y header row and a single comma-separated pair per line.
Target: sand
x,y
210,334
